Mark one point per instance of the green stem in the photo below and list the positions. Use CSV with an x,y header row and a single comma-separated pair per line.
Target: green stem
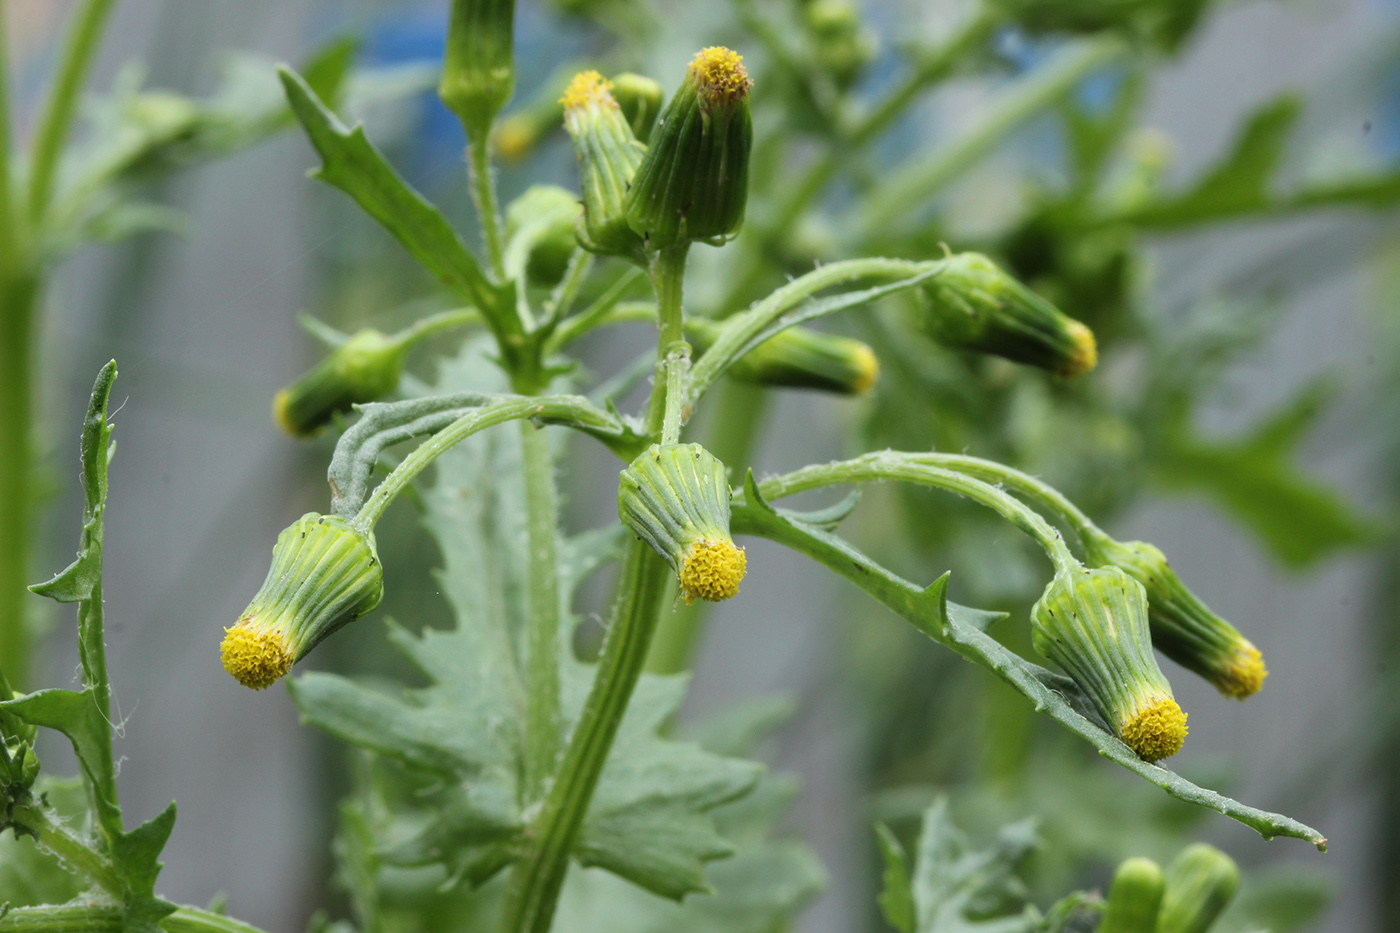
x,y
9,217
111,918
542,715
913,186
564,409
887,465
435,324
539,874
667,273
565,293
1047,496
484,195
57,117
55,838
19,291
743,328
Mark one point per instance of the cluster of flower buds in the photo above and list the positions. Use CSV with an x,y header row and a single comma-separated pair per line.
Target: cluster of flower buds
x,y
1196,887
973,305
364,368
676,498
797,358
841,44
324,575
1183,627
1093,623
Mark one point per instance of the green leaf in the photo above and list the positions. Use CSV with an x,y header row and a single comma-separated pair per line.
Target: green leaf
x,y
1298,519
1239,184
84,716
896,900
352,164
962,630
956,890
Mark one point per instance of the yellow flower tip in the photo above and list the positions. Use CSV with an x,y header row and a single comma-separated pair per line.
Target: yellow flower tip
x,y
1086,351
712,569
588,89
256,658
867,369
280,403
1157,731
720,75
513,139
1244,674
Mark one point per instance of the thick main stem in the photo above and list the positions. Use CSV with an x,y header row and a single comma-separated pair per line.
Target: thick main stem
x,y
542,716
667,272
539,874
18,297
63,101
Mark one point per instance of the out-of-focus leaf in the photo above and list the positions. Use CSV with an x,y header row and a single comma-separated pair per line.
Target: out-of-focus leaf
x,y
1280,900
1298,519
896,899
1239,183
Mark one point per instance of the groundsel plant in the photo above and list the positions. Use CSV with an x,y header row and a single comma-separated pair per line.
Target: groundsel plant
x,y
486,794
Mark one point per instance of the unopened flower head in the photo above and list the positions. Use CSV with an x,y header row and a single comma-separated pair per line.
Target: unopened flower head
x,y
608,155
1134,898
1183,627
694,182
478,67
676,498
364,368
973,305
540,225
639,97
324,575
798,358
1201,882
1093,623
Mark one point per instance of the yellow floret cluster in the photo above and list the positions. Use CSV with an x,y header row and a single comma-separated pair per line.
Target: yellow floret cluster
x,y
1086,351
588,88
711,569
1244,674
720,75
1157,731
255,657
868,369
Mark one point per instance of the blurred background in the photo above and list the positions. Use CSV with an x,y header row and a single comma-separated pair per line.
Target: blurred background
x,y
203,326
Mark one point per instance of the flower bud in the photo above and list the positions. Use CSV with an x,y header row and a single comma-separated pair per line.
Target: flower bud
x,y
675,497
478,66
1183,627
1201,882
364,368
324,574
608,155
973,305
640,100
841,44
1093,623
542,221
798,358
1134,898
694,180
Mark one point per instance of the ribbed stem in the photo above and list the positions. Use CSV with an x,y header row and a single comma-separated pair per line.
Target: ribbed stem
x,y
542,715
19,291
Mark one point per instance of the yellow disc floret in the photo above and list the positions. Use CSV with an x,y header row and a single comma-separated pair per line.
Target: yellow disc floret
x,y
720,74
1157,731
255,657
588,89
1244,674
711,569
867,369
1086,351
